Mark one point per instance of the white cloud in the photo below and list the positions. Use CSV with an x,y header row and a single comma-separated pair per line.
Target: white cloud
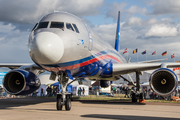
x,y
165,6
152,21
135,9
28,12
125,12
6,28
162,30
135,21
2,38
13,44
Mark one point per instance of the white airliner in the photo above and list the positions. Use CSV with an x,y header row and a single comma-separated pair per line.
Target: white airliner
x,y
64,45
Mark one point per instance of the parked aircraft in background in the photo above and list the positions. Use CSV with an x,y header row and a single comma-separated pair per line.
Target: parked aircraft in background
x,y
64,45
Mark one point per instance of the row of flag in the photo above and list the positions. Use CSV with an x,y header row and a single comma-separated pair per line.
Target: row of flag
x,y
144,52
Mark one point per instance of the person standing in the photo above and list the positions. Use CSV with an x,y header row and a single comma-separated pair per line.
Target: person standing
x,y
83,90
42,94
48,91
145,93
80,91
126,92
132,92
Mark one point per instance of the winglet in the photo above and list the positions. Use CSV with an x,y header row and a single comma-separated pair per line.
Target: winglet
x,y
117,44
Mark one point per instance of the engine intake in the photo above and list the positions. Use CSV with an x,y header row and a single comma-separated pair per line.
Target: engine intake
x,y
20,82
163,81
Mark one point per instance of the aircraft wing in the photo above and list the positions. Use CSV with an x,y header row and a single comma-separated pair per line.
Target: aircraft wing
x,y
14,65
133,67
20,65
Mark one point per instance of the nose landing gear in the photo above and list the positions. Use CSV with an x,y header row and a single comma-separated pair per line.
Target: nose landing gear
x,y
63,98
66,102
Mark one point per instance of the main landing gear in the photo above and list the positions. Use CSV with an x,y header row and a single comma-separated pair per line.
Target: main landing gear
x,y
137,95
63,98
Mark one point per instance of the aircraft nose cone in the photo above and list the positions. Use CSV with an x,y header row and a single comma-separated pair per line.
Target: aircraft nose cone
x,y
47,48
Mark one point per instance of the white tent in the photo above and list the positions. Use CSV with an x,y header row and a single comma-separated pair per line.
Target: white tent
x,y
75,89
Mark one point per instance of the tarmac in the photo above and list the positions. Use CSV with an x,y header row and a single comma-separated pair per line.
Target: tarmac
x,y
45,109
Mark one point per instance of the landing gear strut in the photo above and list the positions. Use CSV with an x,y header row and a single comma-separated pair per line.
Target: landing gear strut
x,y
137,95
63,98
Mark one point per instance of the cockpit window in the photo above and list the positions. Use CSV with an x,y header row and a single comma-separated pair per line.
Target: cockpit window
x,y
75,27
42,25
57,25
69,26
35,27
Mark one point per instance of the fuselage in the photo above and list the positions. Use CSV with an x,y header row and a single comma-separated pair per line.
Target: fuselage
x,y
61,41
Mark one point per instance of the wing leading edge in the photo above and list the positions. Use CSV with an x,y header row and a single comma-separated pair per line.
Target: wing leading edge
x,y
119,69
18,65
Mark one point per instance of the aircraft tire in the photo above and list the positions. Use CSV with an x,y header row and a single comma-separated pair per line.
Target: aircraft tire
x,y
59,104
68,104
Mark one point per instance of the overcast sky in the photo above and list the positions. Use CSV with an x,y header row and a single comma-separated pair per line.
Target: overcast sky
x,y
145,24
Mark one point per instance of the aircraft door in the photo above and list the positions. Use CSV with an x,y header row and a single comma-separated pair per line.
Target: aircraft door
x,y
90,45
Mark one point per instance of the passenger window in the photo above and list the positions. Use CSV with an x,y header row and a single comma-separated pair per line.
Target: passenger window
x,y
69,26
57,25
42,25
75,27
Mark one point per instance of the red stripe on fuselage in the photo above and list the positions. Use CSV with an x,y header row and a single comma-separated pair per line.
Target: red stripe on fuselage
x,y
84,63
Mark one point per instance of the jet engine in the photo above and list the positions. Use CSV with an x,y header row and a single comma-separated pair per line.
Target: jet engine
x,y
20,82
104,83
163,81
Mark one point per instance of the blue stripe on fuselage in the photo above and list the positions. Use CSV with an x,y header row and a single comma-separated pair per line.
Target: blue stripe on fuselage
x,y
84,59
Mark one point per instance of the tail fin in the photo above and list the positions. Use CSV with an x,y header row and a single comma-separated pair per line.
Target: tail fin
x,y
117,44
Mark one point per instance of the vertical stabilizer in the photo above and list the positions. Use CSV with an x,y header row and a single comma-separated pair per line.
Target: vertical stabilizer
x,y
117,44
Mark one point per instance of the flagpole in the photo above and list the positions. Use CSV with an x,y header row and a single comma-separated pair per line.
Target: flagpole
x,y
127,56
146,56
156,55
137,56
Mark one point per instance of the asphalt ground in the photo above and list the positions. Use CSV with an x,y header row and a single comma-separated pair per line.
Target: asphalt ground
x,y
45,108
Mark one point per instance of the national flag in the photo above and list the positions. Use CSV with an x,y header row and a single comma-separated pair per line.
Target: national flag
x,y
135,51
164,53
154,53
125,51
172,56
144,52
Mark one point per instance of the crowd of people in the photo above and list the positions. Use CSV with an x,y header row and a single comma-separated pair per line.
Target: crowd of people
x,y
51,91
127,91
147,94
81,91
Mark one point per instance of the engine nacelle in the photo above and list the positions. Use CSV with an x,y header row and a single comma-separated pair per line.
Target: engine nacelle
x,y
163,81
20,82
104,83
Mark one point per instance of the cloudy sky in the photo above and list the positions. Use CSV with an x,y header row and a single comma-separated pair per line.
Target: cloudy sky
x,y
145,24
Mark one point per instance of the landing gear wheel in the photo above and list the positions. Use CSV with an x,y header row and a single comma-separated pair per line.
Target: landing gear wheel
x,y
68,104
59,104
